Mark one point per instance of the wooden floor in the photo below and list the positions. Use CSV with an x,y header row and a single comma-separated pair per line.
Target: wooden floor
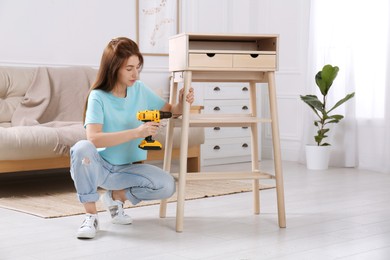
x,y
333,214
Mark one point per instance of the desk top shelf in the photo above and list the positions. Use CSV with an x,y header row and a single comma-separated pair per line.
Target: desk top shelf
x,y
239,52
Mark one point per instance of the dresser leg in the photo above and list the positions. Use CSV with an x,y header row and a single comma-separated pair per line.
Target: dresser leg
x,y
255,148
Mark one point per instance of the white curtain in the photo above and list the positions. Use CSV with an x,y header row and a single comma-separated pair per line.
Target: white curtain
x,y
353,35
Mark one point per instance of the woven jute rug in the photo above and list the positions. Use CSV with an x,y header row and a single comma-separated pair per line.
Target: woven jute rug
x,y
53,195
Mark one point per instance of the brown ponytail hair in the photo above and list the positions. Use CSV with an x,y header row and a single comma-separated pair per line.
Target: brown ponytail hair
x,y
114,55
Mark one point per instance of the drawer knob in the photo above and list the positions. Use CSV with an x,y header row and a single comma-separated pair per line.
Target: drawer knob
x,y
244,89
254,55
244,127
216,147
244,108
216,89
217,128
216,109
210,55
245,145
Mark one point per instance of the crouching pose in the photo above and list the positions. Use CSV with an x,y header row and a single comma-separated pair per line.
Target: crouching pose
x,y
106,159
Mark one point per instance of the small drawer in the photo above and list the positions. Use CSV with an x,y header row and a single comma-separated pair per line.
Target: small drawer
x,y
221,149
227,91
212,60
219,107
226,132
254,61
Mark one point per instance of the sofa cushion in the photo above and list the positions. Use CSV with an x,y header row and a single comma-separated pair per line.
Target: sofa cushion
x,y
14,83
27,142
55,94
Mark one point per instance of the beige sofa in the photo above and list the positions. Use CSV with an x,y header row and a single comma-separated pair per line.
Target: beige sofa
x,y
40,118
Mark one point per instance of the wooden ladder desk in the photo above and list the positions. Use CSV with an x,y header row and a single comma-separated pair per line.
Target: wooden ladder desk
x,y
223,58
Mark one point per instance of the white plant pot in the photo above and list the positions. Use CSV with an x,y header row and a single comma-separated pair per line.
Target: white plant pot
x,y
317,157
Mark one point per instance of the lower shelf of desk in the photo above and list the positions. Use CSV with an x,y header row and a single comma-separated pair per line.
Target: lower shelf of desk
x,y
198,176
235,120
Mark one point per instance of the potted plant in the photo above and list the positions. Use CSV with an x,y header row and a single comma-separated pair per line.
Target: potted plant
x,y
317,156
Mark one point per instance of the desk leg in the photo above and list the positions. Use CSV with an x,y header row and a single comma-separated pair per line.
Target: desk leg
x,y
276,148
183,155
168,144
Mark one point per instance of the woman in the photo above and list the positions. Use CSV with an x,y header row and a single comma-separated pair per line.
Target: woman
x,y
106,159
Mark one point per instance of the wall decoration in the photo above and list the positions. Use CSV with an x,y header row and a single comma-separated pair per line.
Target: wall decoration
x,y
157,20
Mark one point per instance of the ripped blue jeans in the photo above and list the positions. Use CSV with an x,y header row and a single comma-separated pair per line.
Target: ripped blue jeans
x,y
141,181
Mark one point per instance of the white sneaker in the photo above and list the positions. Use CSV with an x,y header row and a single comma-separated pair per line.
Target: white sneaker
x,y
89,226
115,209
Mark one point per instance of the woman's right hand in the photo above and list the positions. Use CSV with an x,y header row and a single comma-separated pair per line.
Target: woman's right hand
x,y
101,139
148,128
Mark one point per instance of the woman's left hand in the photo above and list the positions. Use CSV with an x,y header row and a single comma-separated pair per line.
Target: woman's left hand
x,y
190,96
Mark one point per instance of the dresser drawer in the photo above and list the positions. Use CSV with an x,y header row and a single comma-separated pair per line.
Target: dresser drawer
x,y
215,107
254,61
210,60
227,91
226,148
226,132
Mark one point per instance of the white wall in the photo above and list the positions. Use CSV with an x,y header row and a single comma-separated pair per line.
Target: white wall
x,y
67,32
74,32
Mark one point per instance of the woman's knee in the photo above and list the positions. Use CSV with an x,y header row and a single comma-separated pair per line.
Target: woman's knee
x,y
169,186
85,169
161,180
81,149
82,153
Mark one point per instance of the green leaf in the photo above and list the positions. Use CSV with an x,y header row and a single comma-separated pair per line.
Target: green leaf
x,y
313,102
318,139
333,121
321,135
320,83
325,78
342,101
325,130
336,119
